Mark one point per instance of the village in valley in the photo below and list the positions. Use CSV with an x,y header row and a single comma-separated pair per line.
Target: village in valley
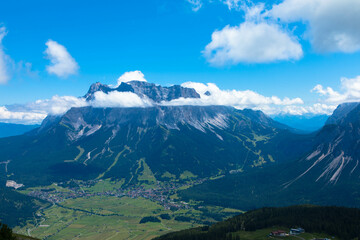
x,y
154,204
162,193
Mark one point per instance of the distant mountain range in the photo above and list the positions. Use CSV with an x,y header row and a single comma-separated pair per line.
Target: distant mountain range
x,y
304,123
10,129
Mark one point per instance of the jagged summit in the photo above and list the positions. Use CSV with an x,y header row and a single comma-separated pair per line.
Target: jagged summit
x,y
341,112
155,92
95,87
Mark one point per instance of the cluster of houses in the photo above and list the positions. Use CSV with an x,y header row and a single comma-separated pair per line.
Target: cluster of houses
x,y
281,233
293,231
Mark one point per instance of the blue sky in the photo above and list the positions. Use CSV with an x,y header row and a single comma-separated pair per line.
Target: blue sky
x,y
166,40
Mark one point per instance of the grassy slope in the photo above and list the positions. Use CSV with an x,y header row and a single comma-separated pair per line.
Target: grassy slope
x,y
23,237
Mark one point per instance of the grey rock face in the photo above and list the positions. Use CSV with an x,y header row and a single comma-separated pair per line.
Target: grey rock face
x,y
144,89
341,111
337,154
86,121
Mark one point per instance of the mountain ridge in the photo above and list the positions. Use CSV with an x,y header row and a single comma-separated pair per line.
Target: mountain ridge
x,y
160,133
326,174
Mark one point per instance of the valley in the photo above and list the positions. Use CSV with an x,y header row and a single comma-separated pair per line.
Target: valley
x,y
102,209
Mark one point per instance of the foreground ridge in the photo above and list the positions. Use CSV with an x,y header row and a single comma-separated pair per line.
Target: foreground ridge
x,y
327,221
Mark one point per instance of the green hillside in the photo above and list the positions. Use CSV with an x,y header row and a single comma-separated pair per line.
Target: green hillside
x,y
324,222
16,208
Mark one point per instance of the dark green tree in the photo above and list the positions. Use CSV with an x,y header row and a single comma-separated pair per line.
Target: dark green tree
x,y
6,233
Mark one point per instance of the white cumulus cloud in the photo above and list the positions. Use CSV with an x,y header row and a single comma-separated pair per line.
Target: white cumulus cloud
x,y
57,105
299,110
131,76
333,25
35,112
257,40
350,91
4,75
119,99
20,117
213,95
62,63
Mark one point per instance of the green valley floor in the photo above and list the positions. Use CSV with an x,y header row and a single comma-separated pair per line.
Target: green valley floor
x,y
104,209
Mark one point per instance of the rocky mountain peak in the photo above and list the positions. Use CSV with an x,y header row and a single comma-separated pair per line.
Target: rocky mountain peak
x,y
95,87
152,91
341,112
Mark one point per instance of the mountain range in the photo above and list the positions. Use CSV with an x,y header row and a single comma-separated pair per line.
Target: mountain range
x,y
257,161
303,123
10,129
200,141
